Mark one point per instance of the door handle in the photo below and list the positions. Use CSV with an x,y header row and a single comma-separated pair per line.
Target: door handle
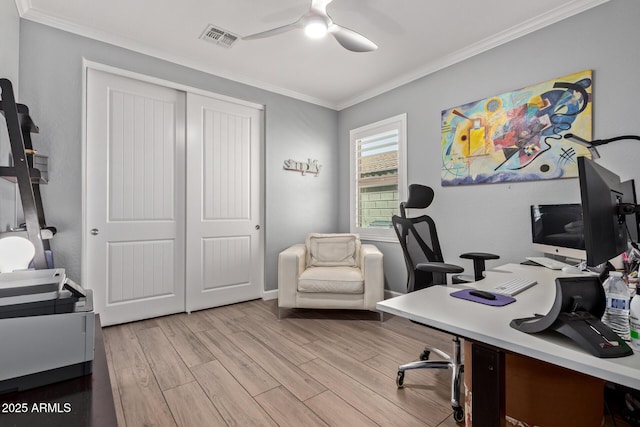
x,y
257,227
94,231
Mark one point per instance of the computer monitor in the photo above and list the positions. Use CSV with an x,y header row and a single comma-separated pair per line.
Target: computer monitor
x,y
632,220
601,192
558,230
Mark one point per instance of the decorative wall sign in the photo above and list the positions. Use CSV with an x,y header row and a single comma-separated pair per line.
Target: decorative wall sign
x,y
518,136
310,166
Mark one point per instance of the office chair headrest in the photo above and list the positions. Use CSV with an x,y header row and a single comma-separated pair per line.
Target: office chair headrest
x,y
420,197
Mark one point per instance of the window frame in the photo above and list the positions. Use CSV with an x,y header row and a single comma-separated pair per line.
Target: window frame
x,y
398,122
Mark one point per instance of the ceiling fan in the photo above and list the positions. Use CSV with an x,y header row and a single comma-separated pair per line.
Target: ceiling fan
x,y
317,23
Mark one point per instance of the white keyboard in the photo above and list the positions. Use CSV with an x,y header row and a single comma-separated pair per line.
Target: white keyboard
x,y
512,287
548,262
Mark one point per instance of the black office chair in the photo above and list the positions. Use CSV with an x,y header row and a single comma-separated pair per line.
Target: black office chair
x,y
426,267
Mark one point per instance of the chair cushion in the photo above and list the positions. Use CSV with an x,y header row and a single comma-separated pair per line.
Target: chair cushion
x,y
338,280
333,250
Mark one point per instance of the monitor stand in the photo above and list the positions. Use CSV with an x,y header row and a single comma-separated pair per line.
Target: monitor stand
x,y
591,334
579,304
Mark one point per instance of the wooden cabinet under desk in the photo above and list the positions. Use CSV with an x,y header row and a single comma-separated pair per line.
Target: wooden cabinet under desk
x,y
537,393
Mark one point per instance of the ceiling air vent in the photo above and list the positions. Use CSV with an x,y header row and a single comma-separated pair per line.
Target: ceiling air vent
x,y
218,36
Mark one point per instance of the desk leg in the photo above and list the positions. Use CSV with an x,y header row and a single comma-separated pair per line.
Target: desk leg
x,y
487,381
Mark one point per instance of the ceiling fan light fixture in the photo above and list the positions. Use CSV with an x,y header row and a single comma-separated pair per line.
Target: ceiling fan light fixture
x,y
316,29
317,23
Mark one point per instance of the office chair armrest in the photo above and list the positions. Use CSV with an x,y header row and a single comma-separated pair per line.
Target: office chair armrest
x,y
439,270
479,255
439,267
478,262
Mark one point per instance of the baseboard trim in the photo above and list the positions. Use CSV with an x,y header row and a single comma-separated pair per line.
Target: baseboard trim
x,y
391,294
269,295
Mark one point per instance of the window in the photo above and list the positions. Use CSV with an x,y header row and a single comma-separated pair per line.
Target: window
x,y
378,177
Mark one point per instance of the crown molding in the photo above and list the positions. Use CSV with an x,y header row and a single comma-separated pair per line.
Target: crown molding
x,y
27,11
551,17
30,13
23,6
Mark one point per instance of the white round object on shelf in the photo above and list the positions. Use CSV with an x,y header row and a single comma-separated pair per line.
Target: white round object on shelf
x,y
15,253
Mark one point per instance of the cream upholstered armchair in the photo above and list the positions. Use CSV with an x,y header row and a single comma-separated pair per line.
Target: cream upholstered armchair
x,y
330,271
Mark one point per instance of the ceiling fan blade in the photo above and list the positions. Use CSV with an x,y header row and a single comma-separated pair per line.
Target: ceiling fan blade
x,y
351,40
320,5
273,32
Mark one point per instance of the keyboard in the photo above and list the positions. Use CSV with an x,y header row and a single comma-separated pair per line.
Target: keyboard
x,y
548,262
512,287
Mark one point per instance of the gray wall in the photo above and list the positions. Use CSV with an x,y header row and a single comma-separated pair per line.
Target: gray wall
x,y
495,217
9,35
51,84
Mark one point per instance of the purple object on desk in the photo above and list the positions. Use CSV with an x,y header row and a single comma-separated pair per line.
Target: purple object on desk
x,y
498,302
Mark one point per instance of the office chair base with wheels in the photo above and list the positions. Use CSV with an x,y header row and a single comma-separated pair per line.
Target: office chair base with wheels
x,y
457,372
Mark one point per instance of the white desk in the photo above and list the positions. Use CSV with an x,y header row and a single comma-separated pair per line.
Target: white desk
x,y
489,325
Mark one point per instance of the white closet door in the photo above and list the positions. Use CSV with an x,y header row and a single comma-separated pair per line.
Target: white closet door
x,y
134,200
224,248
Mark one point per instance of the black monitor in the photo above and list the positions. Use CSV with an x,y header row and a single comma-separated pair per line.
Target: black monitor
x,y
632,220
558,230
601,192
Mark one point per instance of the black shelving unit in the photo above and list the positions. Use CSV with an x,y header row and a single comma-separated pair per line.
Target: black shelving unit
x,y
20,126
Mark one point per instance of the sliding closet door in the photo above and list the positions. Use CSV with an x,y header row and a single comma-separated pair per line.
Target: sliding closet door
x,y
224,247
134,199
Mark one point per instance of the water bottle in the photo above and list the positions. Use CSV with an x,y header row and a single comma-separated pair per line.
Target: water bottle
x,y
616,314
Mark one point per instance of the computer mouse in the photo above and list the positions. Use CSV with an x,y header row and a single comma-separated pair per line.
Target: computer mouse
x,y
482,294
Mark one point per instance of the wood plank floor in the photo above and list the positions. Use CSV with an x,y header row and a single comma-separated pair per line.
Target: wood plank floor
x,y
239,365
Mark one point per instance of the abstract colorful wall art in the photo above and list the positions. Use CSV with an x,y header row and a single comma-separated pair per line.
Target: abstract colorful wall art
x,y
518,136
